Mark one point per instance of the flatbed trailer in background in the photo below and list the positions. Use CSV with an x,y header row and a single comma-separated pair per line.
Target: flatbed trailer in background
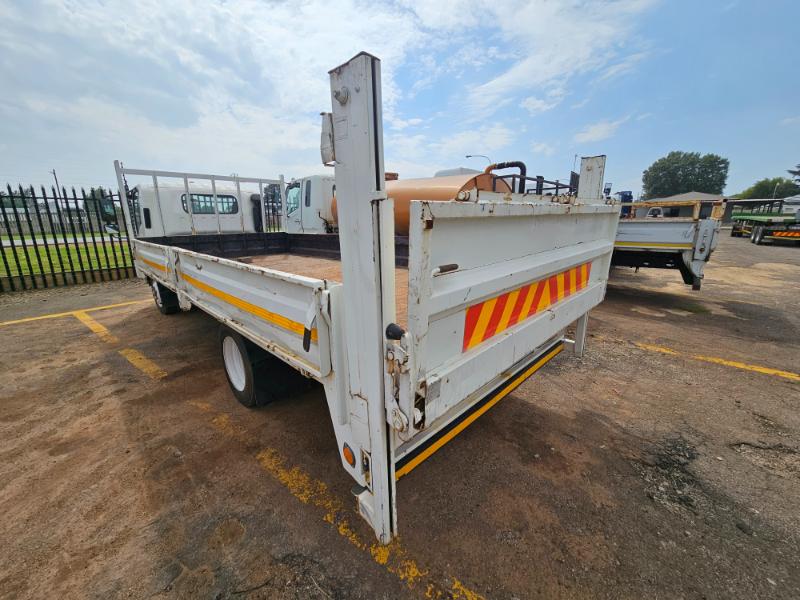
x,y
409,349
684,242
783,224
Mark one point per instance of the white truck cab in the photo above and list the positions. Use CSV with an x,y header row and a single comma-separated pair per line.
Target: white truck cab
x,y
308,204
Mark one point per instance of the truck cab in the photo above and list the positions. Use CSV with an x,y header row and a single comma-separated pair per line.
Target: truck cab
x,y
308,204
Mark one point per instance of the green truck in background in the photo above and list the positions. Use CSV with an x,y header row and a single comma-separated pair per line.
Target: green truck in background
x,y
778,220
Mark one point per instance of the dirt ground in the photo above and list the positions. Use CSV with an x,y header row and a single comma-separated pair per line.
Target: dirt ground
x,y
646,469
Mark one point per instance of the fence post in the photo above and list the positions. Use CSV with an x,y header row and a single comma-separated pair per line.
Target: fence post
x,y
44,240
55,237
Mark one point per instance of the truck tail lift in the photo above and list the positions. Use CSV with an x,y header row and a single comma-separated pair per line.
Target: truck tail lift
x,y
408,357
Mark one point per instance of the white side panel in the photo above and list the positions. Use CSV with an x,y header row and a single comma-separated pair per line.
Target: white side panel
x,y
656,234
269,307
465,256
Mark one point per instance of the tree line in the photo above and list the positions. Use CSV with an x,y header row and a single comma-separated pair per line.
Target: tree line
x,y
681,172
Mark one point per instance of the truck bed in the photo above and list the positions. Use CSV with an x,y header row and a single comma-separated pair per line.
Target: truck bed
x,y
329,269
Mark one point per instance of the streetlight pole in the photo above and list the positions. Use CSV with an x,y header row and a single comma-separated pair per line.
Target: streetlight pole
x,y
479,156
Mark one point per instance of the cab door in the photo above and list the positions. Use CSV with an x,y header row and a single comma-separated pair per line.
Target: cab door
x,y
294,211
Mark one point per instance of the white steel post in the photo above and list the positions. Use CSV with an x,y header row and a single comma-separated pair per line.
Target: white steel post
x,y
367,273
580,334
282,190
189,207
216,203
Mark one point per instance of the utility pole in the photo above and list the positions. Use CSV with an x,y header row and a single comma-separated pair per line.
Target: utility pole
x,y
58,188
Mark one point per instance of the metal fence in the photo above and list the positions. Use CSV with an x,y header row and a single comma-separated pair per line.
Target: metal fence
x,y
61,238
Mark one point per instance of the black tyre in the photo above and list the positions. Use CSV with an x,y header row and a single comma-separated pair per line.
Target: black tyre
x,y
752,235
254,375
166,300
758,235
696,282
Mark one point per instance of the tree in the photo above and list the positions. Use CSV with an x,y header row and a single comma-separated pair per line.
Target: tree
x,y
796,173
771,187
680,172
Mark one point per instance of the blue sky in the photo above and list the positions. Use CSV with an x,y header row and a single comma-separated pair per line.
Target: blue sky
x,y
237,86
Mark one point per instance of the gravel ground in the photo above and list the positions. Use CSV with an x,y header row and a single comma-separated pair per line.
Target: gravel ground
x,y
632,472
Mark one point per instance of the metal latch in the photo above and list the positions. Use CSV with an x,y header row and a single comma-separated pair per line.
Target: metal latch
x,y
396,363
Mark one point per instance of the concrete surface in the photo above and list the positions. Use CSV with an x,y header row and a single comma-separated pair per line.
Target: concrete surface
x,y
664,464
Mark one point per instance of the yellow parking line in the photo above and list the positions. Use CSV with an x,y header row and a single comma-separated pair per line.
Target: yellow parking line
x,y
100,330
136,358
393,557
71,313
144,364
722,361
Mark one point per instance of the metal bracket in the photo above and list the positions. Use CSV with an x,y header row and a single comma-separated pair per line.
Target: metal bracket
x,y
396,363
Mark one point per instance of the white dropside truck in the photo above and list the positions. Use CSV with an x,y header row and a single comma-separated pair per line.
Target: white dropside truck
x,y
650,237
408,357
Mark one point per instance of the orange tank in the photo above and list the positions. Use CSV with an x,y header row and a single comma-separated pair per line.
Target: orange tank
x,y
403,191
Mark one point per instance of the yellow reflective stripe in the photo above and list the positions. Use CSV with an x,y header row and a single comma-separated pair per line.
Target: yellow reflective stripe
x,y
544,299
510,387
271,317
155,265
483,321
560,284
511,302
526,307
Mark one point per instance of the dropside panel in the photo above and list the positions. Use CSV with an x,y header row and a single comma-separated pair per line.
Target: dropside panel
x,y
491,284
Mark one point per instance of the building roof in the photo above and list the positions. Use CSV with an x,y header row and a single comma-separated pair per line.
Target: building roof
x,y
691,196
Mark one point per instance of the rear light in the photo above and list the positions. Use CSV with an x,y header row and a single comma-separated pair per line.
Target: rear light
x,y
347,452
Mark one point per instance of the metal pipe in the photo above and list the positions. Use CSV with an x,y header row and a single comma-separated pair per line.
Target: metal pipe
x,y
514,164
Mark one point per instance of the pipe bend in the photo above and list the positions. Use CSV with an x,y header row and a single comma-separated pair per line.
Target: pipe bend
x,y
513,164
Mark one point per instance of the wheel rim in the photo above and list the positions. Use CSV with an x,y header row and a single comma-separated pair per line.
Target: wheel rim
x,y
156,294
234,363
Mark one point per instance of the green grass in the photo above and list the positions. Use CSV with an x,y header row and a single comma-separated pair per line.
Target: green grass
x,y
91,261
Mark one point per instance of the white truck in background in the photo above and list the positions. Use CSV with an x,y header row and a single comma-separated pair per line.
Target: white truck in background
x,y
680,234
408,357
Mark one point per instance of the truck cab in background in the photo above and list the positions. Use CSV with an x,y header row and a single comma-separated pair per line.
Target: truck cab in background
x,y
308,204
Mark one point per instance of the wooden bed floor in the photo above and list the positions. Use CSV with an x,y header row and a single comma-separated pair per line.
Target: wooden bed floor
x,y
331,270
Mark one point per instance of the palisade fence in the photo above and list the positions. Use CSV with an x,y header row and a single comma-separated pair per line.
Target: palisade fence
x,y
61,238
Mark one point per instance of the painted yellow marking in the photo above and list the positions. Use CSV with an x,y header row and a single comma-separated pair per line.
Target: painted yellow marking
x,y
511,302
510,387
653,348
258,311
97,328
393,557
153,264
665,245
483,322
722,361
144,364
747,367
136,358
71,313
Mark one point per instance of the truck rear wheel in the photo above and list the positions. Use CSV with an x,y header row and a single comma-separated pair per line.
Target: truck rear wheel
x,y
166,300
255,376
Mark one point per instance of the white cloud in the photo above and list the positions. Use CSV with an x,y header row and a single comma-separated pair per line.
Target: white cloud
x,y
542,148
587,39
400,124
237,86
791,121
626,65
536,105
599,131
